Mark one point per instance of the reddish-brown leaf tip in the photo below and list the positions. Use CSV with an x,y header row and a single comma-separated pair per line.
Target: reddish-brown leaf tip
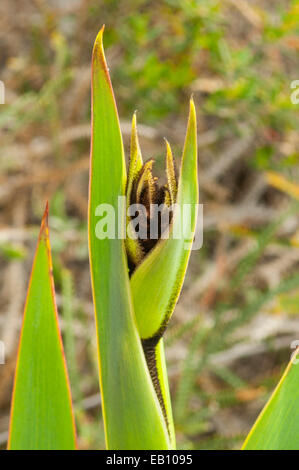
x,y
98,58
45,222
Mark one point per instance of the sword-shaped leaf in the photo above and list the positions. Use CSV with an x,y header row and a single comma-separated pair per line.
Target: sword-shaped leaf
x,y
157,281
132,414
277,427
41,410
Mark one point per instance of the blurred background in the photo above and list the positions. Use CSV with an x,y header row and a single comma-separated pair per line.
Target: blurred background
x,y
230,336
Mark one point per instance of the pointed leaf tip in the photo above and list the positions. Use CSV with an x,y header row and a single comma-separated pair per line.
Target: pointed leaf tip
x,y
98,54
99,38
135,154
45,220
134,133
134,123
168,148
171,174
192,110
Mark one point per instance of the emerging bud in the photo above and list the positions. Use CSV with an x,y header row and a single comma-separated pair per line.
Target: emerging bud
x,y
143,191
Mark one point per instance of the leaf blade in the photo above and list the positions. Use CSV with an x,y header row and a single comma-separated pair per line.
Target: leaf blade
x,y
130,406
41,411
167,264
277,427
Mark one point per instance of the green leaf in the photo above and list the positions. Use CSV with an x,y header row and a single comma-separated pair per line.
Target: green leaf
x,y
136,162
156,282
132,415
277,427
171,176
41,410
133,248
